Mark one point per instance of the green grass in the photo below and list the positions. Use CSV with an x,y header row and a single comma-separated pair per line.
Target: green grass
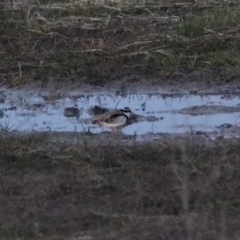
x,y
225,59
210,21
191,27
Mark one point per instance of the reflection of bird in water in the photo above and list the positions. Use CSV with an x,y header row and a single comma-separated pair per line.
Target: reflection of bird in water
x,y
113,119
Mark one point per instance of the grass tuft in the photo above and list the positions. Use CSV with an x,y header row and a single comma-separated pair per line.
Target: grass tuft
x,y
190,27
210,21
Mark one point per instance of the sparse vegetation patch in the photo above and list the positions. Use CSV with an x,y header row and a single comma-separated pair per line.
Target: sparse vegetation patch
x,y
58,40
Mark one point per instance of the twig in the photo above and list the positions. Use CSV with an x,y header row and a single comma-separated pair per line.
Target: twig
x,y
49,33
89,50
20,69
134,44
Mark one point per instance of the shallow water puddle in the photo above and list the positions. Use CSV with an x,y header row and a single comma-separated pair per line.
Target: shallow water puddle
x,y
28,111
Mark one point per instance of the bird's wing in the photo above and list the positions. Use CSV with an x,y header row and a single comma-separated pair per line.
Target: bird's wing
x,y
104,116
114,115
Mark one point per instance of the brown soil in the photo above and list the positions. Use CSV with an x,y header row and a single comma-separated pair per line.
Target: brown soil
x,y
141,80
195,82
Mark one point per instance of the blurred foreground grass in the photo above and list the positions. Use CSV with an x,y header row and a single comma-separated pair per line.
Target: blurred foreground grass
x,y
177,188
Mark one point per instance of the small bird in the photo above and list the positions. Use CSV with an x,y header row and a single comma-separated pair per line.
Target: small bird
x,y
113,119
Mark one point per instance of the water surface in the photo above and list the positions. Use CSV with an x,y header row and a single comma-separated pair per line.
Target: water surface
x,y
32,111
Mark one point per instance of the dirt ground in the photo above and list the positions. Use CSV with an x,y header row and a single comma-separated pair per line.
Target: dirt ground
x,y
196,82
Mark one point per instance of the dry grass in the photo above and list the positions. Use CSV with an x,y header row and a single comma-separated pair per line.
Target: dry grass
x,y
178,189
62,41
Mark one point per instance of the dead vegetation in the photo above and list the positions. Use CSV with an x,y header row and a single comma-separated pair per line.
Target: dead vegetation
x,y
178,189
91,41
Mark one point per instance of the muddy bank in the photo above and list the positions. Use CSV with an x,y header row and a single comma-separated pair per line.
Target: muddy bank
x,y
224,133
143,80
181,81
207,110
